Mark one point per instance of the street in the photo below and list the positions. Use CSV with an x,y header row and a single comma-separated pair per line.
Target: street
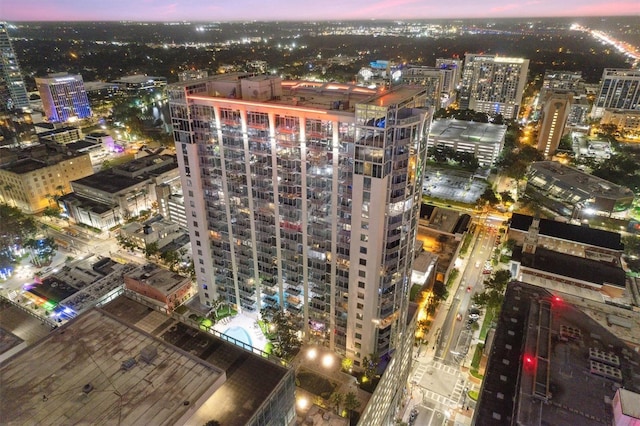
x,y
438,385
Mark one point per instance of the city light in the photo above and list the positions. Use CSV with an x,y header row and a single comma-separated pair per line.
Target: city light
x,y
328,360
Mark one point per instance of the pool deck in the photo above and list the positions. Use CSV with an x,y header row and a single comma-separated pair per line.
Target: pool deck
x,y
249,324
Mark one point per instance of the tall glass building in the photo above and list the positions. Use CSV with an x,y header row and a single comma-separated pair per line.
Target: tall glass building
x,y
304,196
13,94
619,89
63,97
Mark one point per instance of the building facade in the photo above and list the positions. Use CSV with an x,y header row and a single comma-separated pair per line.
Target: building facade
x,y
63,97
555,112
304,196
452,71
40,175
619,89
13,94
493,84
569,81
430,77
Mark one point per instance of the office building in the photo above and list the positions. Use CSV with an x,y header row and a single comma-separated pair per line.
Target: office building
x,y
493,84
63,97
13,94
452,71
556,107
304,196
619,89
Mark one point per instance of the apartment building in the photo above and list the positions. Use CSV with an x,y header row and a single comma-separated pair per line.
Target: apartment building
x,y
304,196
493,84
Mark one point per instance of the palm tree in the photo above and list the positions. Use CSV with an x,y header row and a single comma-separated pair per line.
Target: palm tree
x,y
336,399
351,402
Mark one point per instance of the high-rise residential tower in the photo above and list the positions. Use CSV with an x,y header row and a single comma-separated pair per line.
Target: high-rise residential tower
x,y
304,196
452,70
568,81
63,97
619,89
556,107
493,84
13,94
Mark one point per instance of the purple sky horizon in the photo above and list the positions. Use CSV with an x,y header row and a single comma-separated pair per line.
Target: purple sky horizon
x,y
297,10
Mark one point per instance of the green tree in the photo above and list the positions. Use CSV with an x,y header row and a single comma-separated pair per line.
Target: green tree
x,y
151,250
489,196
440,291
171,258
351,402
336,399
347,364
51,212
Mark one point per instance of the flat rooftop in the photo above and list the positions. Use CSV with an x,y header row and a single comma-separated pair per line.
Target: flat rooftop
x,y
575,267
250,378
565,231
317,95
575,178
137,79
76,375
25,165
108,181
161,279
556,337
468,131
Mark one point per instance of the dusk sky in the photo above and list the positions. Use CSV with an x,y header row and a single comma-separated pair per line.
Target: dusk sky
x,y
268,10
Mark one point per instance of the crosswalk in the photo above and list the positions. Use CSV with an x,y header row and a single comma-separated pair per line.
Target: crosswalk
x,y
430,368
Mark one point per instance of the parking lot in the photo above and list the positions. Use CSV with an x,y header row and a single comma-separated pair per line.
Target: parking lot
x,y
453,185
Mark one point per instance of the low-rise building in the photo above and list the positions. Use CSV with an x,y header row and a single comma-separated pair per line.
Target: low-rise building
x,y
156,230
32,178
554,362
105,199
627,121
483,140
160,285
572,193
140,82
61,135
570,258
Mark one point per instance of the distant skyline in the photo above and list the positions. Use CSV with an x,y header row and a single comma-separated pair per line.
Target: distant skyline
x,y
292,10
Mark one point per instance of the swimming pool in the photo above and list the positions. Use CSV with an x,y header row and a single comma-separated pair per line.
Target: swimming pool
x,y
240,334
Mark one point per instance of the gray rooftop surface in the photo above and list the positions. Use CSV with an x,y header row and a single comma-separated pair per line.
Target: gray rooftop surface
x,y
593,185
452,129
108,181
250,378
577,397
44,384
